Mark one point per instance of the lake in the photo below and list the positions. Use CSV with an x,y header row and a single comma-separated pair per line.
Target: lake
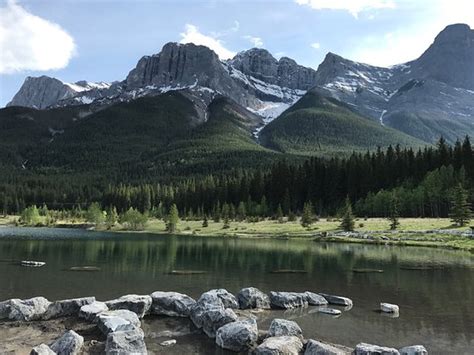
x,y
433,287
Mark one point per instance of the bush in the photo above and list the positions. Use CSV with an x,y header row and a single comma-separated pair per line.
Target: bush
x,y
30,216
134,219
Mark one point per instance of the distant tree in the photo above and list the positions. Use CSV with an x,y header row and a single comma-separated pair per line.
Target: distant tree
x,y
307,217
226,215
279,214
241,211
347,223
43,211
133,219
30,216
394,211
94,214
460,212
205,222
172,219
112,217
291,216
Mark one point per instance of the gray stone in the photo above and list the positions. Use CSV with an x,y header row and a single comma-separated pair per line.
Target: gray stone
x,y
139,304
252,297
369,349
338,300
171,304
288,300
228,299
69,344
314,347
126,342
413,350
24,310
89,312
239,336
330,311
42,349
66,308
283,327
314,299
216,317
168,343
389,308
284,345
118,320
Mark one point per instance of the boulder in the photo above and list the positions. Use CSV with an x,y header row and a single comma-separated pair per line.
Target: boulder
x,y
413,350
283,327
288,300
69,344
24,310
118,320
139,304
389,308
240,336
285,345
314,347
129,341
339,300
89,312
252,297
314,299
369,349
330,311
214,318
228,299
42,349
168,343
171,304
66,308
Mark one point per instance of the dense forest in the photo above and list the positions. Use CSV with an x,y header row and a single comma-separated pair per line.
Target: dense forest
x,y
422,180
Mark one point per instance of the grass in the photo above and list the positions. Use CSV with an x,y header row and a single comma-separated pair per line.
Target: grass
x,y
411,231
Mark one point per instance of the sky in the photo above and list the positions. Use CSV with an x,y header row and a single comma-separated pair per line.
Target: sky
x,y
102,40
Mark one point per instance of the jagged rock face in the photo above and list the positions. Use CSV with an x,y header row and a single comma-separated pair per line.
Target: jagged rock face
x,y
260,64
41,92
450,59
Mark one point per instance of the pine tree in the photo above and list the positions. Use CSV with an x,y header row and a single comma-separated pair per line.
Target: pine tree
x,y
307,217
394,212
225,215
112,217
172,219
279,214
205,222
460,212
241,211
347,223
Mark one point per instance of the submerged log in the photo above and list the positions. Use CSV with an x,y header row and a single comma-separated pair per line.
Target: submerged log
x,y
187,272
84,268
367,271
288,271
32,263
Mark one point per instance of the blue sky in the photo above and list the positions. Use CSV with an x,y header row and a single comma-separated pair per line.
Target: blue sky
x,y
101,40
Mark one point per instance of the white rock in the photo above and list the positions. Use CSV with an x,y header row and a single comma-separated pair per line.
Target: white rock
x,y
214,318
314,299
168,343
288,300
24,310
280,346
389,308
139,304
89,312
413,350
284,327
119,320
369,349
252,297
32,263
330,311
42,349
171,304
314,347
339,300
65,308
240,336
69,344
227,299
126,342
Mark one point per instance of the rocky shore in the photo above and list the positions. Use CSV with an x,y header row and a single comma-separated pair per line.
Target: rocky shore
x,y
87,326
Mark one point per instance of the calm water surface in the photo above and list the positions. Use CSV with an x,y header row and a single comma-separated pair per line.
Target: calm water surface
x,y
436,304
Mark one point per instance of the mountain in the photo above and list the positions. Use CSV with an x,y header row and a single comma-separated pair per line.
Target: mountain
x,y
319,125
427,98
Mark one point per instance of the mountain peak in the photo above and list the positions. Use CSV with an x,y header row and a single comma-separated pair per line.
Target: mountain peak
x,y
455,32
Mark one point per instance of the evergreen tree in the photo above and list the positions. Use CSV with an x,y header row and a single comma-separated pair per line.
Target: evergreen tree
x,y
94,214
291,216
30,216
112,217
279,214
205,222
225,215
133,219
241,211
460,211
347,223
172,219
307,217
394,212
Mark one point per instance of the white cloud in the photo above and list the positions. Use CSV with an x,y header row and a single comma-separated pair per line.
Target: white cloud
x,y
256,41
353,6
410,41
316,45
28,42
192,35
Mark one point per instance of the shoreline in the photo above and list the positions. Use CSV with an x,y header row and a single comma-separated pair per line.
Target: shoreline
x,y
441,236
